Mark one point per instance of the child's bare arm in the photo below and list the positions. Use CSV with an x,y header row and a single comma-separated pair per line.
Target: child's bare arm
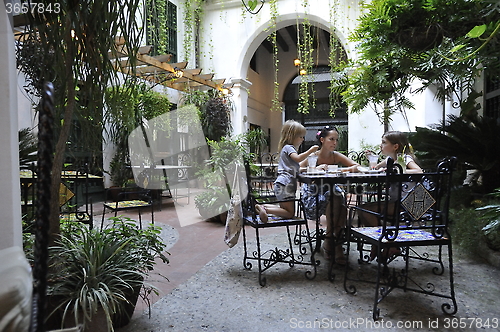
x,y
300,157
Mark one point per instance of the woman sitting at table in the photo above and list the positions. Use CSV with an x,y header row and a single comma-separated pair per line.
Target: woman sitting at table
x,y
393,143
328,139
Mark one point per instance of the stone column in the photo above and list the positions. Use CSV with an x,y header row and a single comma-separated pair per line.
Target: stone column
x,y
10,193
240,99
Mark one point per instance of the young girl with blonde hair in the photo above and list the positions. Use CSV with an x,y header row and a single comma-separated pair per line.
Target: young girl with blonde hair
x,y
292,135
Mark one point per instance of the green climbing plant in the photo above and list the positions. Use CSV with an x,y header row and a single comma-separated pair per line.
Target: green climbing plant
x,y
193,17
306,86
335,56
273,5
156,22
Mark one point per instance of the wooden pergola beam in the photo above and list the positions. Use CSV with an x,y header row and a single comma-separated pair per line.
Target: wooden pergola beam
x,y
156,66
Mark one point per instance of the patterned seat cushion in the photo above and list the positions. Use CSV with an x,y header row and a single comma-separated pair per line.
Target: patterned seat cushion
x,y
274,220
127,204
404,234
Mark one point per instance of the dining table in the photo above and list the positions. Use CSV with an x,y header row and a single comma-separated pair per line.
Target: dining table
x,y
74,193
353,183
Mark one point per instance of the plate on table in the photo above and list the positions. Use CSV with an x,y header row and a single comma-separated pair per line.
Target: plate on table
x,y
369,171
318,172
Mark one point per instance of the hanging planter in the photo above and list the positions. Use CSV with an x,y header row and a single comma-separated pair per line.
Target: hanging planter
x,y
420,38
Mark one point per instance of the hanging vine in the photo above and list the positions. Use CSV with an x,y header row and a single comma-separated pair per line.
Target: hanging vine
x,y
334,58
273,6
156,22
306,90
193,15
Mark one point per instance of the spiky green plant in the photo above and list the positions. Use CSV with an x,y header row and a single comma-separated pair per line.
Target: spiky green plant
x,y
474,140
27,147
93,269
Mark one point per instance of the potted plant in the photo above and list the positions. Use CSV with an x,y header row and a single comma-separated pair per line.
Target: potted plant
x,y
256,140
96,274
215,201
491,231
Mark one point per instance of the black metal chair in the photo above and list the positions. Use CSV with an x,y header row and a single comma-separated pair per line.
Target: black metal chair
x,y
128,200
415,216
74,199
266,258
262,179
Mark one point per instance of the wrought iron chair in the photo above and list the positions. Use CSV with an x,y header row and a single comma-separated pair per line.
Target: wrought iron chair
x,y
266,166
74,199
415,216
128,200
266,258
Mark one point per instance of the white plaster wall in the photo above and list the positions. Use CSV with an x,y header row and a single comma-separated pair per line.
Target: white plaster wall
x,y
232,36
367,128
25,113
10,195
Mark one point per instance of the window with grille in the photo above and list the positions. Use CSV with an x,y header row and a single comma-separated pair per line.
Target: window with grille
x,y
161,29
492,97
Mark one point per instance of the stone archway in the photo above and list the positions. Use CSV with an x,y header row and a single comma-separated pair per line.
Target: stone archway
x,y
261,71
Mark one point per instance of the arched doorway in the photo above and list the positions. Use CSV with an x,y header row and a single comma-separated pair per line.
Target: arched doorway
x,y
261,74
318,116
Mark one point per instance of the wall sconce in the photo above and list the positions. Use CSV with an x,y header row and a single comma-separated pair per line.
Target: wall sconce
x,y
251,5
296,62
302,71
226,89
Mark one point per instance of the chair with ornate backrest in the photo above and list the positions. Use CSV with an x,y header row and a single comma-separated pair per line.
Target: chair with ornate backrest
x,y
267,255
265,174
413,218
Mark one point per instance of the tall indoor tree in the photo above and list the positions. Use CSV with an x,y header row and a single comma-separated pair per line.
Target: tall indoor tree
x,y
74,45
435,41
447,44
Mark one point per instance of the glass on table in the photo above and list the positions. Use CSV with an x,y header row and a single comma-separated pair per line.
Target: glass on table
x,y
372,160
312,160
400,159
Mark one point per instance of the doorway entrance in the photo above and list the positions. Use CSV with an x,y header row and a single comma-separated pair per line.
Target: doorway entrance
x,y
319,115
